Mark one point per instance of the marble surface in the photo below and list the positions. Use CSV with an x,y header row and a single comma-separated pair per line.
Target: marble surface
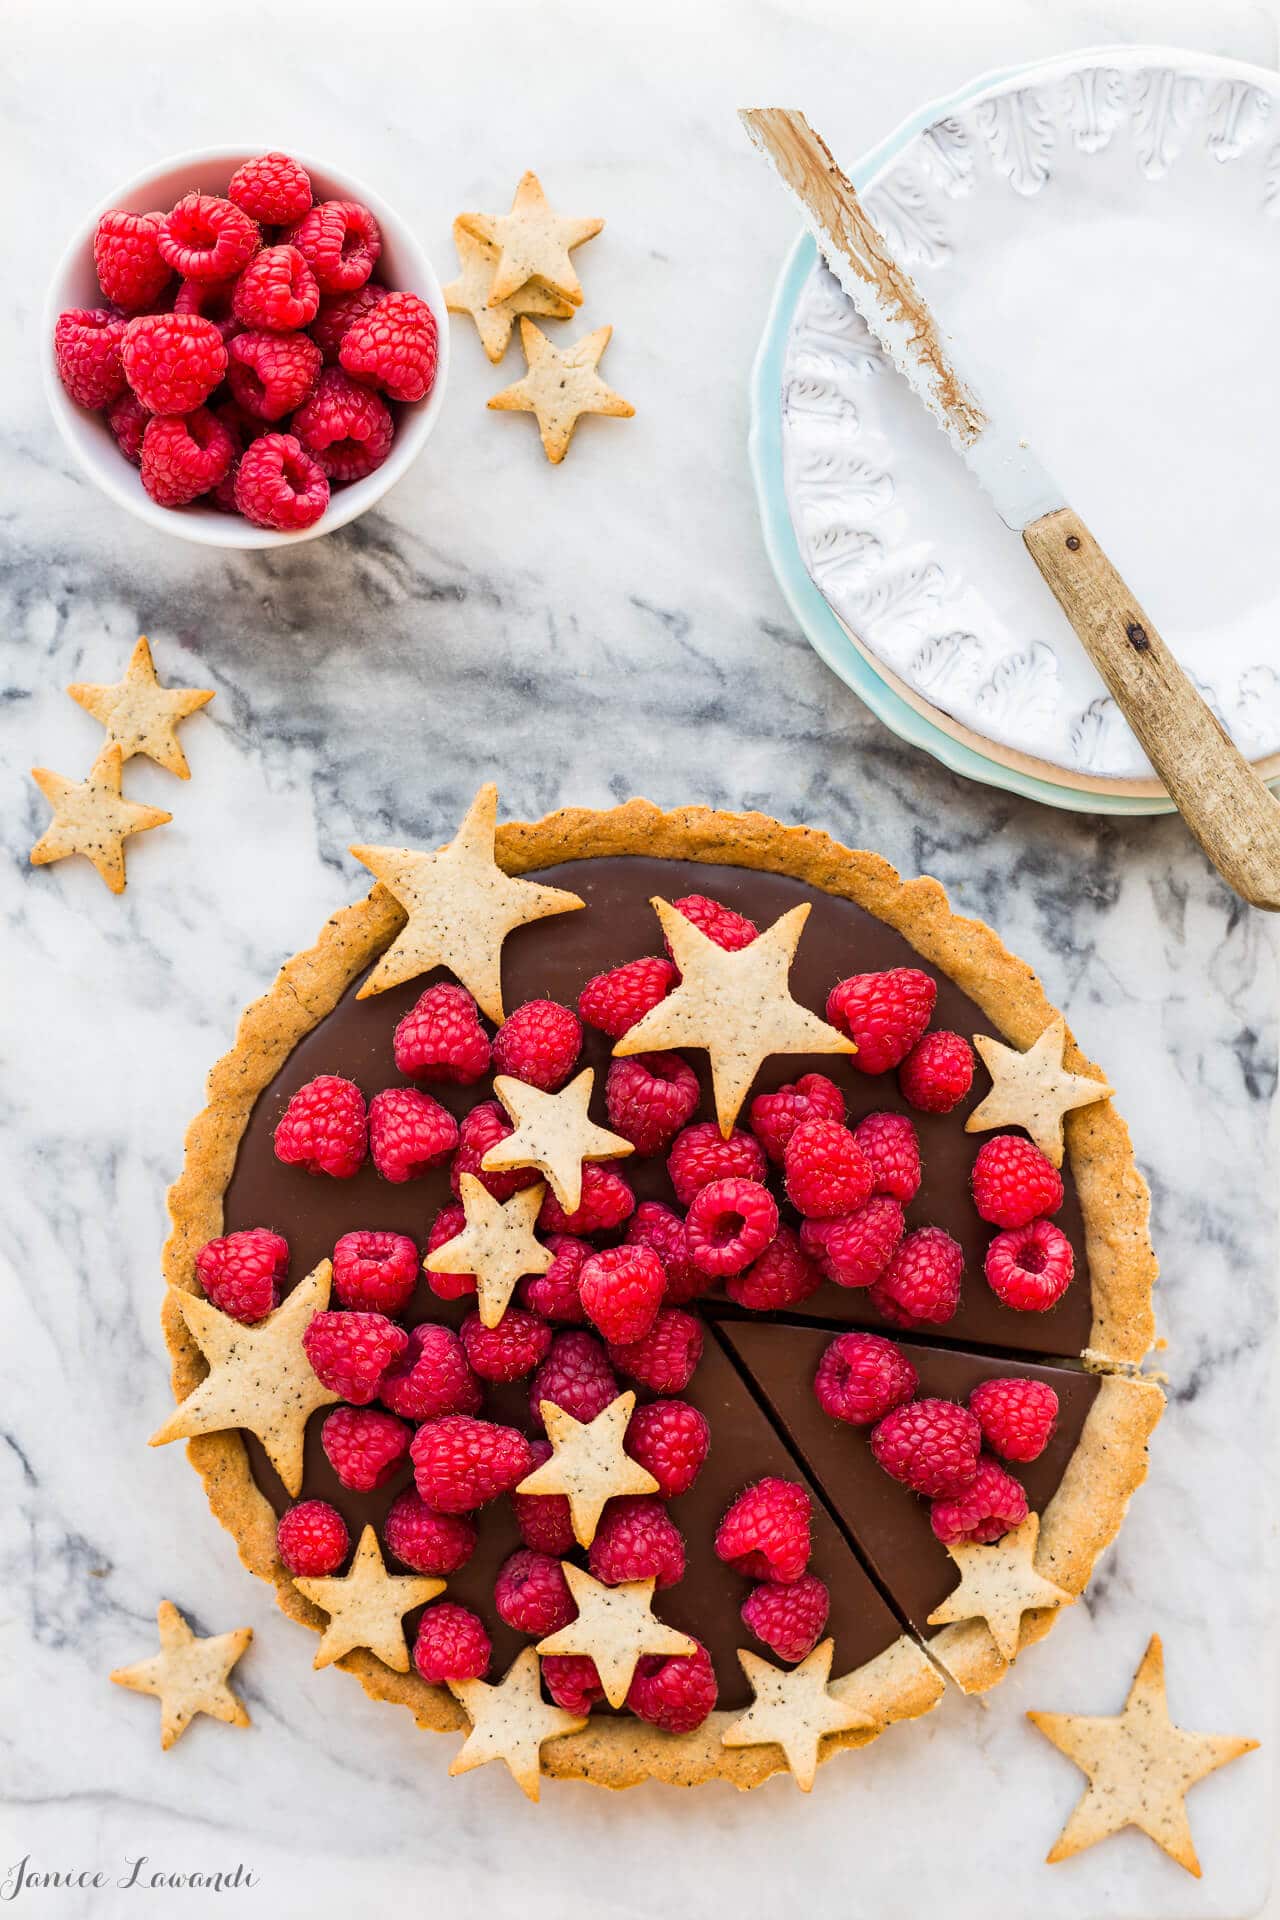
x,y
582,634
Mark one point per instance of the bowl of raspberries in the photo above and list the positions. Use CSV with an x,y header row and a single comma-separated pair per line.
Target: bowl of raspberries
x,y
245,348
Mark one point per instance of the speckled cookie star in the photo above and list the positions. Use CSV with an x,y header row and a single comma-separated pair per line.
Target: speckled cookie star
x,y
998,1584
554,1133
510,1721
616,1628
140,715
533,243
366,1607
471,291
189,1675
793,1710
735,1005
1033,1089
560,386
589,1463
92,817
497,1244
461,907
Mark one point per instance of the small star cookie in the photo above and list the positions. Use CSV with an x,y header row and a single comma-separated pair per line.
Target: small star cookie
x,y
560,386
92,817
553,1132
532,243
470,292
189,1675
366,1607
140,715
461,907
998,1584
793,1710
497,1244
588,1463
1032,1089
616,1628
510,1721
1140,1767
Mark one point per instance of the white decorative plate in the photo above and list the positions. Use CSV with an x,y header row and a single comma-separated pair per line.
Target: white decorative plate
x,y
1101,237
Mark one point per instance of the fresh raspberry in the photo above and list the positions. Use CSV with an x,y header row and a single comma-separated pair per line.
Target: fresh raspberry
x,y
649,1097
127,419
205,238
664,1358
774,1117
518,1344
726,927
323,1129
554,1294
126,258
658,1226
312,1539
459,1463
184,456
883,1013
447,1225
863,1376
272,373
409,1133
607,1200
350,1352
276,291
1017,1416
242,1272
788,1618
532,1594
431,1377
575,1374
621,1290
544,1519
984,1511
337,311
481,1129
676,1694
923,1277
783,1276
364,1446
827,1173
670,1440
340,242
572,1681
375,1272
347,428
931,1446
452,1644
699,1155
441,1038
729,1224
637,1540
765,1533
213,300
1030,1268
434,1543
538,1043
393,346
272,189
87,344
1013,1183
938,1072
889,1142
855,1248
614,1001
278,485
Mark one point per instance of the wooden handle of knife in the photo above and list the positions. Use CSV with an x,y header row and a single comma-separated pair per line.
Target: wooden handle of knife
x,y
1224,803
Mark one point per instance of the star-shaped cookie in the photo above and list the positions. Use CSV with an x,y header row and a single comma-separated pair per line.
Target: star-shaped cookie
x,y
140,715
510,1721
998,1584
616,1628
736,1005
92,817
470,293
259,1377
366,1607
497,1244
1140,1767
588,1463
560,386
461,907
532,242
553,1132
793,1710
1032,1089
189,1675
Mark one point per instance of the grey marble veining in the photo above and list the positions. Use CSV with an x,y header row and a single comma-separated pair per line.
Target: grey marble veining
x,y
581,634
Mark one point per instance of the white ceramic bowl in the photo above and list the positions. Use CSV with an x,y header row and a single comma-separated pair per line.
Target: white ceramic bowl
x,y
402,264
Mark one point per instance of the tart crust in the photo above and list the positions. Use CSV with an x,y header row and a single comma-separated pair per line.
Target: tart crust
x,y
1108,1464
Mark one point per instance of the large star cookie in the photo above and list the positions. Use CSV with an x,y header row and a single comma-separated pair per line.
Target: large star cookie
x,y
532,243
189,1675
140,715
92,817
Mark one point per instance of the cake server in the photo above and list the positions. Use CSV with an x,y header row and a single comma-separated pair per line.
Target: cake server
x,y
1224,803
